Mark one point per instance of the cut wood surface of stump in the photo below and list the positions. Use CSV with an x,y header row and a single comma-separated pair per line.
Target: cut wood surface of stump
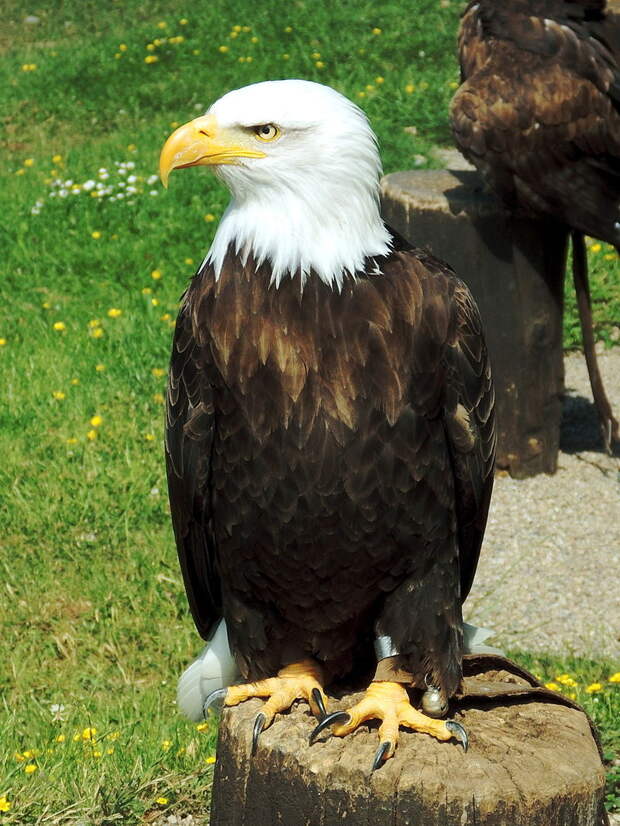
x,y
530,763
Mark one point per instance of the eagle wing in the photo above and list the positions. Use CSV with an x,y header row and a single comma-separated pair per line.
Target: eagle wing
x,y
469,423
190,428
539,115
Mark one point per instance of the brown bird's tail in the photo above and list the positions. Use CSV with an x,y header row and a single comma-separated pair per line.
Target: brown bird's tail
x,y
609,425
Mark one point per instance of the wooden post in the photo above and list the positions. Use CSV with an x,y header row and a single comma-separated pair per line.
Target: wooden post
x,y
515,267
531,762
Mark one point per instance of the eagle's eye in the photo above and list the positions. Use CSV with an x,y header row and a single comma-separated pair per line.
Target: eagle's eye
x,y
266,132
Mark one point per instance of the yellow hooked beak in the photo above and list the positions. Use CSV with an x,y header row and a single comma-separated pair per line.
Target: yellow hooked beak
x,y
202,143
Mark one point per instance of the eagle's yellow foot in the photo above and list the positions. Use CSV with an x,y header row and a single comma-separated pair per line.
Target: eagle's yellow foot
x,y
302,680
389,702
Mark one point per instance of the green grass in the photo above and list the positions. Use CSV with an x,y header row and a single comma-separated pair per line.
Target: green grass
x,y
93,615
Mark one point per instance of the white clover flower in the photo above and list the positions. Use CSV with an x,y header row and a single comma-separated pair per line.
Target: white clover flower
x,y
119,196
53,194
131,190
35,211
69,183
152,179
122,170
153,192
99,185
63,193
104,175
130,164
88,185
132,179
121,184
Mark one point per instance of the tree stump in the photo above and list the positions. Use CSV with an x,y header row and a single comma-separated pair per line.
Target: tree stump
x,y
531,762
515,269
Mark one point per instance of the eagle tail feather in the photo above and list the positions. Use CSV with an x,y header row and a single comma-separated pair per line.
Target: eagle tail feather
x,y
214,668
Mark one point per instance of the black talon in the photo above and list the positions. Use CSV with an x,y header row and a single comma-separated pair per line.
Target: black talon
x,y
379,758
318,699
458,732
328,720
214,697
259,725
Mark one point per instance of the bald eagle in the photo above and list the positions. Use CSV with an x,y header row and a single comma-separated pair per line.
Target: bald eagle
x,y
330,433
538,113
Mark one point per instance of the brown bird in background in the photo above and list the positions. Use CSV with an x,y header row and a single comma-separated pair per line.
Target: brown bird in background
x,y
538,114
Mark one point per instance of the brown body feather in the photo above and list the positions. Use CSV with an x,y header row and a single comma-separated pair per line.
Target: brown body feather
x,y
538,110
330,459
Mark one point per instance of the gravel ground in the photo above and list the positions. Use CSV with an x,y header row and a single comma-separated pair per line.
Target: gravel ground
x,y
549,571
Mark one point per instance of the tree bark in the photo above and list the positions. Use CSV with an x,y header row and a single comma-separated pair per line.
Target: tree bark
x,y
531,762
515,268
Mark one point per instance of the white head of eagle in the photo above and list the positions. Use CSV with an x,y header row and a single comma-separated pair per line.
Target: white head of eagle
x,y
303,168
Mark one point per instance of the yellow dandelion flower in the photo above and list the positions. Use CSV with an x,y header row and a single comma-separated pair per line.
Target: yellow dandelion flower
x,y
223,49
158,398
288,29
594,247
19,757
165,744
94,322
594,687
615,678
209,217
409,88
181,751
30,768
91,436
453,84
110,750
252,39
161,801
189,262
376,30
59,395
96,420
210,760
162,24
2,342
97,753
77,736
56,158
29,162
174,124
113,735
183,21
150,437
241,59
195,51
246,28
233,34
46,305
236,29
249,59
609,256
100,368
165,317
158,372
117,56
132,147
370,87
20,171
156,275
319,64
5,804
59,326
152,58
114,312
155,302
424,85
122,47
361,94
70,441
316,55
552,686
146,290
97,332
75,381
379,80
202,726
88,733
286,57
95,234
